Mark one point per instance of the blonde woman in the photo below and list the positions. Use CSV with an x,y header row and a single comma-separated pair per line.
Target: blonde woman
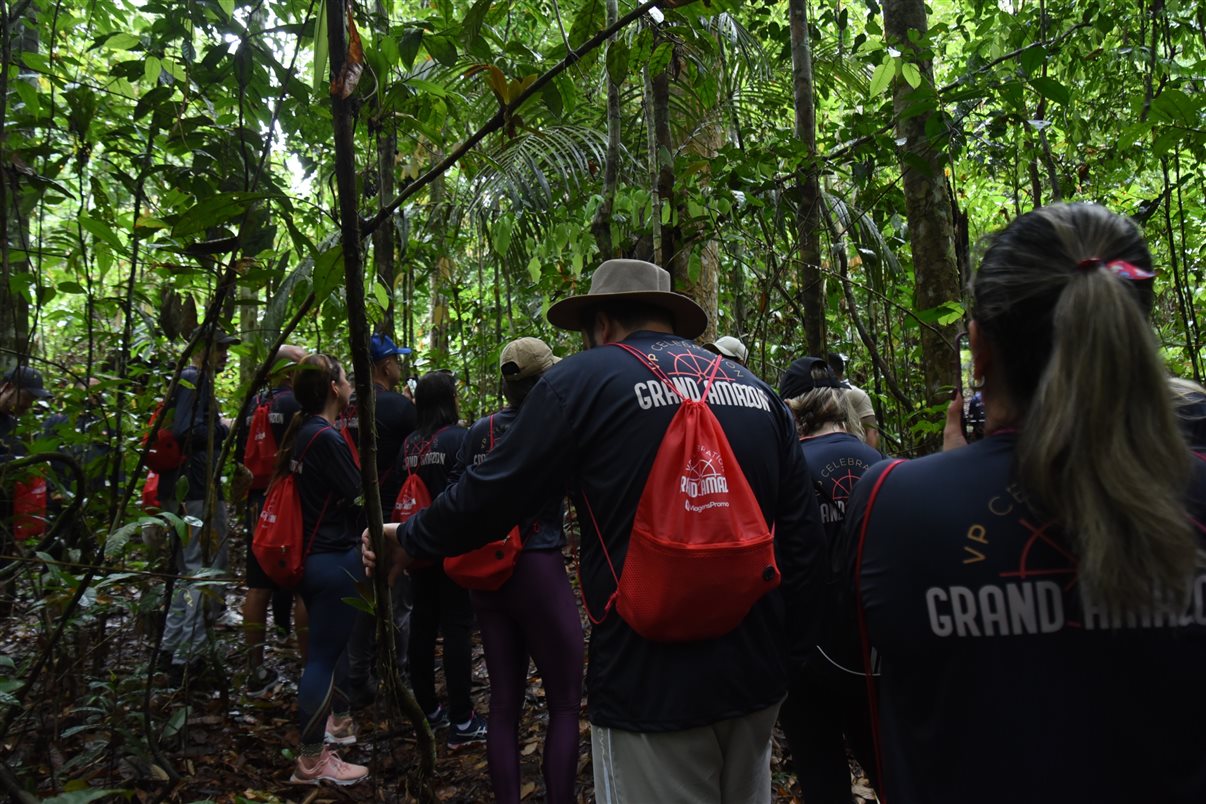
x,y
1035,599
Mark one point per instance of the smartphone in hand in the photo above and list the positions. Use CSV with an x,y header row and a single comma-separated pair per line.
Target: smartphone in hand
x,y
973,404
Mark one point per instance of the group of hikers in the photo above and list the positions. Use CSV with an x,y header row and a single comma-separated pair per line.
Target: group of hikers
x,y
1021,617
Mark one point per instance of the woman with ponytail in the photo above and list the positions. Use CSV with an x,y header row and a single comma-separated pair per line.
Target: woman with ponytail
x,y
1035,601
328,484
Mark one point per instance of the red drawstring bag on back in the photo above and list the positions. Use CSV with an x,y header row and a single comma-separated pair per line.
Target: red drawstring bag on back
x,y
29,508
260,453
414,496
700,554
150,493
165,453
277,543
490,566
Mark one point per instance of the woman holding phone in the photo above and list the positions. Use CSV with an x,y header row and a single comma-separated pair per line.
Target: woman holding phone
x,y
1035,600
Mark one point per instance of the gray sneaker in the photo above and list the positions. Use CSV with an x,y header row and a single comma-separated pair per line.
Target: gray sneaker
x,y
262,682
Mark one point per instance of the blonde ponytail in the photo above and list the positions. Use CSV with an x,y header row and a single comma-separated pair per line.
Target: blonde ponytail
x,y
1099,452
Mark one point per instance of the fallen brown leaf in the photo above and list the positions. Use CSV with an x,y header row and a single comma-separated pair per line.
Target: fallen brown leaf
x,y
526,789
529,749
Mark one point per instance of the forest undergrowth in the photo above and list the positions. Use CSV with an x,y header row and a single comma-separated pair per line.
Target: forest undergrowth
x,y
89,724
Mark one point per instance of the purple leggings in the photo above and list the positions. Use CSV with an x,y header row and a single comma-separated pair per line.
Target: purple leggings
x,y
533,615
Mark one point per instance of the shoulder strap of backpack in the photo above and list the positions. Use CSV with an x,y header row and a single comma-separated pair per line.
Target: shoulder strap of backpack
x,y
611,600
490,424
863,634
713,370
310,443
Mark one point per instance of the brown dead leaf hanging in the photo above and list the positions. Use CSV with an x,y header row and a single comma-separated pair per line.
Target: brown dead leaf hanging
x,y
345,83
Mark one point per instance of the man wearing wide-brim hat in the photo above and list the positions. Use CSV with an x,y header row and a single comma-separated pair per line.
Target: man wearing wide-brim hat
x,y
670,721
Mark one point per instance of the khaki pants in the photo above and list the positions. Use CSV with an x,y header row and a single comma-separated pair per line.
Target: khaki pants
x,y
723,763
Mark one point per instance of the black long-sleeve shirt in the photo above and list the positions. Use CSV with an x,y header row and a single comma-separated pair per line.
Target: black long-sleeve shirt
x,y
593,425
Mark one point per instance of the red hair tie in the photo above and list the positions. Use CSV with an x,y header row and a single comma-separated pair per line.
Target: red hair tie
x,y
1121,268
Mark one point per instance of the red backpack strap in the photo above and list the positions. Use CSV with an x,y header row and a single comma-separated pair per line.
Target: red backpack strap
x,y
305,449
325,503
863,633
611,601
713,370
424,448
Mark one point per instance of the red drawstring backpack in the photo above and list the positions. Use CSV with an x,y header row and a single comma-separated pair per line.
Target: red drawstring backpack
x,y
277,542
29,508
165,454
700,554
413,496
150,493
260,453
490,566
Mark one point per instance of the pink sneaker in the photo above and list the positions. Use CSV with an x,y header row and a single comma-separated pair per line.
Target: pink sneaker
x,y
340,730
327,767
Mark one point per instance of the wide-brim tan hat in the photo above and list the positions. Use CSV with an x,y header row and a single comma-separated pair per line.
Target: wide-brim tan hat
x,y
632,280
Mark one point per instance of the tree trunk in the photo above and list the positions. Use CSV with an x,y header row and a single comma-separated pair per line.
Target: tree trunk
x,y
808,213
927,200
441,276
383,236
343,119
17,36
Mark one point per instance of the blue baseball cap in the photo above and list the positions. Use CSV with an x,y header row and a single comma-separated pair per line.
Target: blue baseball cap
x,y
382,346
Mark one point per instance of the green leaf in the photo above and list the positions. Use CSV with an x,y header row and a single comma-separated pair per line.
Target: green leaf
x,y
442,49
119,538
1033,58
150,100
328,271
1174,106
218,208
534,269
882,77
429,87
408,46
228,8
551,95
122,41
1051,89
471,28
320,46
71,287
360,604
151,70
500,235
661,58
945,313
381,295
1165,141
910,73
617,61
101,231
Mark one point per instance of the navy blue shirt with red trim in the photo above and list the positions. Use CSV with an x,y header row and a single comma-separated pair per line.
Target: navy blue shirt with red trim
x,y
836,461
592,425
540,531
432,457
329,487
998,683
